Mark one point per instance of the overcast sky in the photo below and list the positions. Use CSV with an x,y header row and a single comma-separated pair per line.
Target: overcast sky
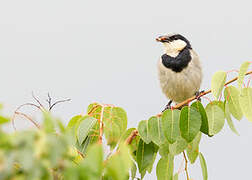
x,y
105,51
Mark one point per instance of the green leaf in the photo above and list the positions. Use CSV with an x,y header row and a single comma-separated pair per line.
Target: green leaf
x,y
178,147
232,94
190,123
143,131
243,69
229,119
216,118
217,83
164,149
145,155
74,121
4,120
193,148
155,130
165,167
119,164
170,124
115,124
86,124
204,121
246,102
93,162
203,166
149,169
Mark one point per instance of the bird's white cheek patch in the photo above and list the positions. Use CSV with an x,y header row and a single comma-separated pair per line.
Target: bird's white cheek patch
x,y
178,45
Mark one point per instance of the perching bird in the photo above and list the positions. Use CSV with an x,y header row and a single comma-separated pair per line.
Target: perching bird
x,y
179,69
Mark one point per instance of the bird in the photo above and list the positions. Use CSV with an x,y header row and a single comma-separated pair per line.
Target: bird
x,y
179,69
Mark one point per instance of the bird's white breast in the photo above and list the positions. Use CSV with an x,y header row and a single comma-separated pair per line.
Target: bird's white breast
x,y
179,86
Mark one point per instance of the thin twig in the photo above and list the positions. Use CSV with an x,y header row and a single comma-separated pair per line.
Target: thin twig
x,y
186,163
28,104
36,99
29,118
49,100
57,102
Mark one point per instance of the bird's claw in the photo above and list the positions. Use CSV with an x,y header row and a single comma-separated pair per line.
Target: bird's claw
x,y
197,94
168,106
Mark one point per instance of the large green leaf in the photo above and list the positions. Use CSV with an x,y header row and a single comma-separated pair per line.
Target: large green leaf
x,y
246,102
217,83
190,123
73,125
242,72
170,124
145,155
229,119
165,167
203,166
232,94
143,131
193,148
155,130
115,124
216,118
204,121
178,147
93,162
86,124
94,110
119,164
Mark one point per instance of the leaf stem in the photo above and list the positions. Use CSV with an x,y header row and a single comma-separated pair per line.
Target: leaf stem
x,y
131,137
186,163
101,125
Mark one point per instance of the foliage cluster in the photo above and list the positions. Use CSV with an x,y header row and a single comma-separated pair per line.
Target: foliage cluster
x,y
78,150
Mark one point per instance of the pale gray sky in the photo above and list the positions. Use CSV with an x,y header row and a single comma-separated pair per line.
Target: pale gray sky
x,y
105,51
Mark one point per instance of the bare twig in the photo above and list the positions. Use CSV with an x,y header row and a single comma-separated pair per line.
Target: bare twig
x,y
57,102
29,118
39,106
36,99
186,163
49,100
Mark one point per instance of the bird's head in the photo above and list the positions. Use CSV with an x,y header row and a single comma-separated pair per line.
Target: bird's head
x,y
174,43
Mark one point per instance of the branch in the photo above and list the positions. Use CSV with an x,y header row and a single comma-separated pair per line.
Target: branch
x,y
29,118
57,102
193,98
204,93
36,99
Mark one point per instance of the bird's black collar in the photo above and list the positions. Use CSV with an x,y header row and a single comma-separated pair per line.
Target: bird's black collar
x,y
178,63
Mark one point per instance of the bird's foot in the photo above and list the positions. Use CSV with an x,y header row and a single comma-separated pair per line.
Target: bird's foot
x,y
197,94
168,106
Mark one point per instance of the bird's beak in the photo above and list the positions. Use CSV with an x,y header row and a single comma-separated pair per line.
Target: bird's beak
x,y
162,39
